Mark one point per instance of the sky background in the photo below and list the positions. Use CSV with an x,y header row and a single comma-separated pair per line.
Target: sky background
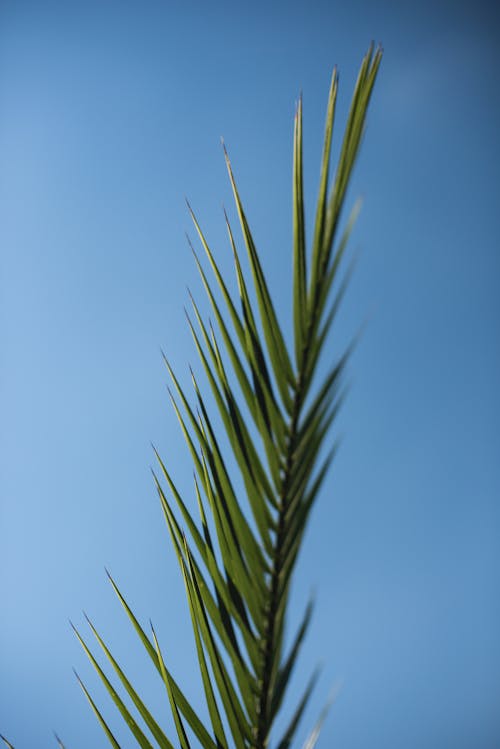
x,y
110,113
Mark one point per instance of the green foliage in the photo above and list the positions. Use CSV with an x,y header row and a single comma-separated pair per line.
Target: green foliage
x,y
238,558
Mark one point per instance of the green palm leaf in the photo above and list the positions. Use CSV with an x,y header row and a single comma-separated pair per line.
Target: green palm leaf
x,y
238,557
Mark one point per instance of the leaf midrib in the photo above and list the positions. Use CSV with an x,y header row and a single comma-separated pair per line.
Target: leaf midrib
x,y
268,639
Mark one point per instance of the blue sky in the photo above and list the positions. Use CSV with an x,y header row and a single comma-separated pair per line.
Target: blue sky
x,y
110,114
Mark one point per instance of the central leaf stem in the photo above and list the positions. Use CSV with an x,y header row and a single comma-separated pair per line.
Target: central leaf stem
x,y
263,718
262,729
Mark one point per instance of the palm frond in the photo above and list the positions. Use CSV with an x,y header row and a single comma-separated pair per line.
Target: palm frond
x,y
237,559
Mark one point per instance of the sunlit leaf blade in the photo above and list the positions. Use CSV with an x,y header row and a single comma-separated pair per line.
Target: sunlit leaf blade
x,y
222,285
254,462
153,726
6,742
248,460
190,715
299,243
337,259
179,727
321,276
258,406
244,538
114,743
225,602
125,713
210,446
276,346
350,145
233,708
245,680
323,188
234,604
211,700
213,708
236,570
232,350
262,383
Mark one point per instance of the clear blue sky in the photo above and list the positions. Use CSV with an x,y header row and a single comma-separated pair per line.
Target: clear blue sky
x,y
110,113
